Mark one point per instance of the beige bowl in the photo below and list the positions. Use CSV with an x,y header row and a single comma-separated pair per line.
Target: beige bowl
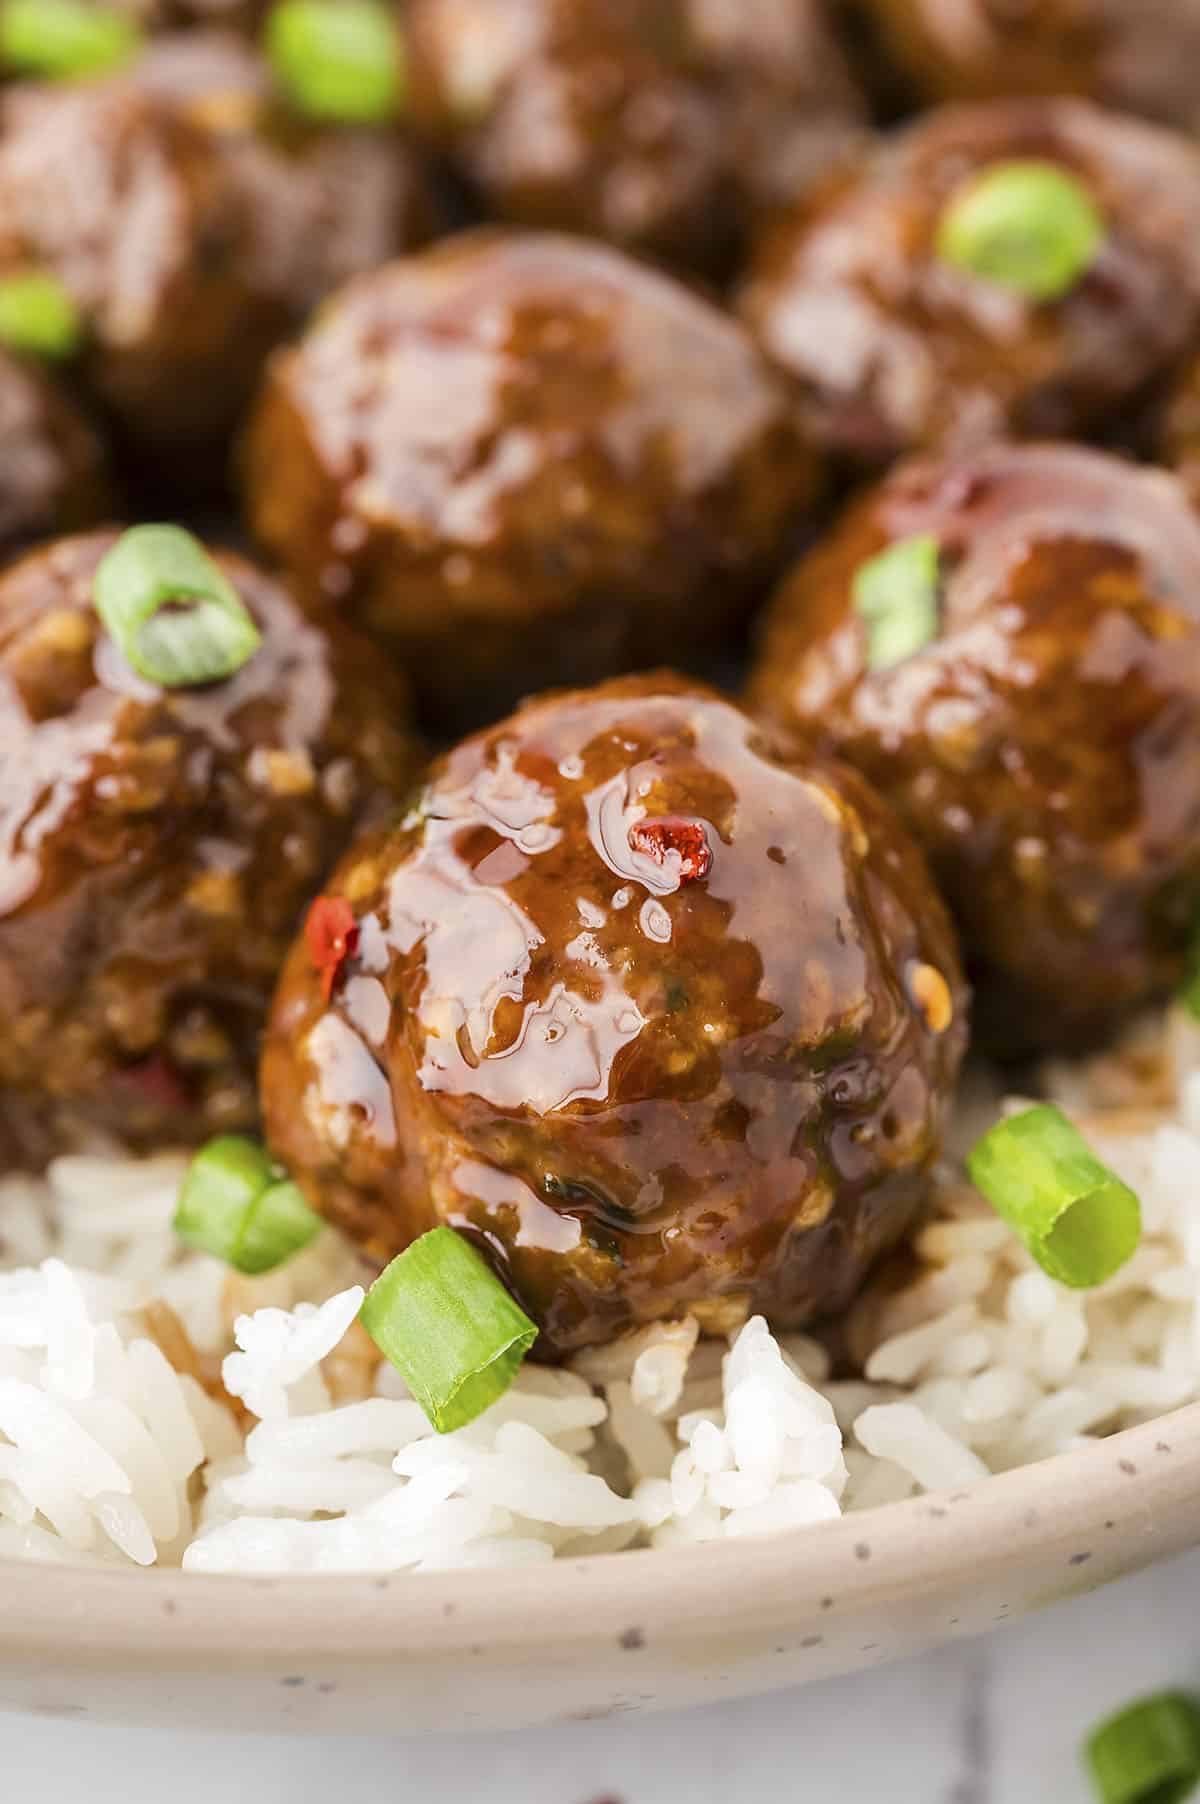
x,y
588,1638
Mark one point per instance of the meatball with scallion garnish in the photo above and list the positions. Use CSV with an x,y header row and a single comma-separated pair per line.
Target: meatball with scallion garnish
x,y
1027,268
182,756
657,1006
1008,646
521,459
213,218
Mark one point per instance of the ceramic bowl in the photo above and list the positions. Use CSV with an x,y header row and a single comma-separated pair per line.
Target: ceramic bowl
x,y
410,1655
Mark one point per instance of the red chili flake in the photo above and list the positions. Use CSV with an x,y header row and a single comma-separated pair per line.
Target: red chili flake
x,y
674,843
331,934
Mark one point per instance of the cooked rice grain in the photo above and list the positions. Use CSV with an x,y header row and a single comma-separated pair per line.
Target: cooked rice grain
x,y
156,1408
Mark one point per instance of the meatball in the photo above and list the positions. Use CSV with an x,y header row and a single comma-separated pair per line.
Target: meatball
x,y
157,847
659,126
1043,744
208,226
327,202
1139,57
523,460
54,473
897,347
658,1006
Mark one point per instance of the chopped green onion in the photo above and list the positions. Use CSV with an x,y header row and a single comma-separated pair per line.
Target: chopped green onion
x,y
896,594
38,316
61,39
338,59
1077,1218
170,608
1027,225
278,1224
447,1324
237,1204
1148,1753
220,1185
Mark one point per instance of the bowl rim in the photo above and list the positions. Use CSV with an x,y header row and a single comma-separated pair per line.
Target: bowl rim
x,y
927,1544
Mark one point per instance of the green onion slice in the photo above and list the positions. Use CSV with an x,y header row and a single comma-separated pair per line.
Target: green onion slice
x,y
278,1224
896,594
338,59
38,316
62,39
1077,1218
237,1204
1148,1753
170,608
447,1324
1026,225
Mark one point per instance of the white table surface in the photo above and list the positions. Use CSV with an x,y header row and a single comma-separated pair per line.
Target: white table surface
x,y
990,1722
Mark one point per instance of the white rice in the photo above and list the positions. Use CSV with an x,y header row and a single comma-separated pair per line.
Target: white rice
x,y
156,1409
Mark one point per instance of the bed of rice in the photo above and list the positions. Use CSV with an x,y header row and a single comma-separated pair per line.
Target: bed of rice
x,y
154,1409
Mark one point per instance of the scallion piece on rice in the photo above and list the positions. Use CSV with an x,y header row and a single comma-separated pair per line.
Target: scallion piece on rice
x,y
278,1224
60,40
237,1204
440,1315
38,318
1148,1753
171,609
896,596
340,60
1077,1218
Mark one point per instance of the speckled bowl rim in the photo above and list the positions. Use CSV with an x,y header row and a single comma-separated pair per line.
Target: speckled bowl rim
x,y
1094,1513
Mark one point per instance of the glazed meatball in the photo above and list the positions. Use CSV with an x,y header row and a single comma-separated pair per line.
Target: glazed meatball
x,y
54,471
524,460
207,227
1043,744
1140,57
661,127
328,202
658,1006
157,847
898,347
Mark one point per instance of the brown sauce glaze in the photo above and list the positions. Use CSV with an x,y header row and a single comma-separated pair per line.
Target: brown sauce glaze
x,y
1138,57
157,847
642,1091
664,128
524,459
194,228
1045,747
896,350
